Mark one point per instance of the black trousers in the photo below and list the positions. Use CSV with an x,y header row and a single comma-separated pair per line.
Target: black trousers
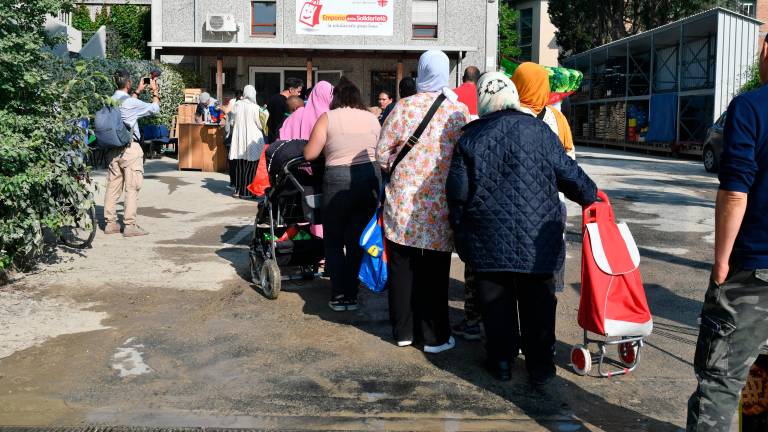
x,y
418,294
504,295
350,197
244,171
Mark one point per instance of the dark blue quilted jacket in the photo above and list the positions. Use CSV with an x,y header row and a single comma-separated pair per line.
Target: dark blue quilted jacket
x,y
502,194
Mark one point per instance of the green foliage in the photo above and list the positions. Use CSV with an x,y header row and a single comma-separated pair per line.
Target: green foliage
x,y
41,147
39,143
508,36
754,79
130,24
586,24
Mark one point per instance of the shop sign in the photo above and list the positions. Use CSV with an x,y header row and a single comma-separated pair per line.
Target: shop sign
x,y
344,17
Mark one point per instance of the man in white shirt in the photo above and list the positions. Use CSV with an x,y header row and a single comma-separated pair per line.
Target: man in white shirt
x,y
126,165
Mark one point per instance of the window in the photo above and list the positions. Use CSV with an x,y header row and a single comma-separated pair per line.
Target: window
x,y
264,18
332,77
748,8
525,32
424,19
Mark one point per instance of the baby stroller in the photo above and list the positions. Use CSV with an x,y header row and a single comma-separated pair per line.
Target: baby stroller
x,y
282,236
613,302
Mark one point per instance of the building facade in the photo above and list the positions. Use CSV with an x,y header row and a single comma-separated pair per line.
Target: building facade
x,y
536,33
373,42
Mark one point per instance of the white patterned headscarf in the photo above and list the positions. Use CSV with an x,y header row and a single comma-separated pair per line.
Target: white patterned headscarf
x,y
496,92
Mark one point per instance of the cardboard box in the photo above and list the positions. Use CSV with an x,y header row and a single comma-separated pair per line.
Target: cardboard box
x,y
191,95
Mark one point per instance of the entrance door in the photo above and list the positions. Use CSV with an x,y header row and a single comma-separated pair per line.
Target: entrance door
x,y
267,83
271,80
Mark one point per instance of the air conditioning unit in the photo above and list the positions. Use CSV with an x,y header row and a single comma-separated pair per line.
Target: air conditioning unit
x,y
220,23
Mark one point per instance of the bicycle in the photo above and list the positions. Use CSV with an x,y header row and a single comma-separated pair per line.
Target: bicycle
x,y
78,234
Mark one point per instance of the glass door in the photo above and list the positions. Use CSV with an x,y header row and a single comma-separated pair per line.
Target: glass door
x,y
267,83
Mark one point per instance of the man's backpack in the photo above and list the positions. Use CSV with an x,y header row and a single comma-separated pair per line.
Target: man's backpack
x,y
110,130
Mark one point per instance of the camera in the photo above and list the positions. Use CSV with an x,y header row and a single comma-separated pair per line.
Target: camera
x,y
146,80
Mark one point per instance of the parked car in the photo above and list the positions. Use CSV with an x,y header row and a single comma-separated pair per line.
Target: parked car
x,y
713,145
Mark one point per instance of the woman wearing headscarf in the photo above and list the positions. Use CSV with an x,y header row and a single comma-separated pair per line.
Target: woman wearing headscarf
x,y
532,82
507,220
418,237
247,141
299,124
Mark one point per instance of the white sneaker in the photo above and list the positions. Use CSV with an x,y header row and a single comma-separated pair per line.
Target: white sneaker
x,y
440,348
404,343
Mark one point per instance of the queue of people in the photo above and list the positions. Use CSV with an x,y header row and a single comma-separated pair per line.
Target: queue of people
x,y
433,204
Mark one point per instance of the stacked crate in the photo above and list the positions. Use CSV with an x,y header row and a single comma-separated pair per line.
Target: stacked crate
x,y
610,121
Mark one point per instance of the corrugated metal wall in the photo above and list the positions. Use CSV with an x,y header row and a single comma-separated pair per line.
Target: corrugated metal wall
x,y
736,53
698,64
665,70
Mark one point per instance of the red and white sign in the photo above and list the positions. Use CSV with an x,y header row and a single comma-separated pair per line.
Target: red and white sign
x,y
344,17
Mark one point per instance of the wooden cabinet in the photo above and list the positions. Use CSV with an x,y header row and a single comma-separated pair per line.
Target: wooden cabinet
x,y
201,147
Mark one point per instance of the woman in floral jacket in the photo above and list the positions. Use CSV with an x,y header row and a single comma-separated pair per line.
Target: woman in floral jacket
x,y
419,238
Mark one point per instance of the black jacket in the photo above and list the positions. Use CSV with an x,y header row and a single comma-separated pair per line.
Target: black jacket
x,y
502,194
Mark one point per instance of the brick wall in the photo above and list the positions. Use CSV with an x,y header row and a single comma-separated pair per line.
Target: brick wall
x,y
761,13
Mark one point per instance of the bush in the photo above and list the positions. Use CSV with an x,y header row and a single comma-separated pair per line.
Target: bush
x,y
754,79
129,24
37,132
171,84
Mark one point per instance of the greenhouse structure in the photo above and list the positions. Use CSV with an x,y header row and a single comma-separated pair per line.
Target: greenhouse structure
x,y
662,89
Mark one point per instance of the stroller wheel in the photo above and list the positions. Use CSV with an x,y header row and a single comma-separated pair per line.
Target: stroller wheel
x,y
256,264
270,279
628,353
581,360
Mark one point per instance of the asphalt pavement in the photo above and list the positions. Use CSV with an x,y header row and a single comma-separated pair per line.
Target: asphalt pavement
x,y
167,330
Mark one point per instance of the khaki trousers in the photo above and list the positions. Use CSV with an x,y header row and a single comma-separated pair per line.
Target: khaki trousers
x,y
125,172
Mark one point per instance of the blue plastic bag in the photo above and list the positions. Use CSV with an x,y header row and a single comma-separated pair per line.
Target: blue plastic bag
x,y
373,269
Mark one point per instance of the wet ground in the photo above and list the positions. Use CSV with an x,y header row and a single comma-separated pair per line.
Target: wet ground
x,y
166,330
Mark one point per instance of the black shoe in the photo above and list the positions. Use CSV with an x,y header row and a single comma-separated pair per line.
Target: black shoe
x,y
501,370
341,304
542,379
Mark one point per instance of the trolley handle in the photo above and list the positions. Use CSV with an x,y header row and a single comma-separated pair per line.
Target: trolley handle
x,y
590,212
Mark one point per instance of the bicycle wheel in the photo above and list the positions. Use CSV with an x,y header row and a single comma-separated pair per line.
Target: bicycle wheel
x,y
80,235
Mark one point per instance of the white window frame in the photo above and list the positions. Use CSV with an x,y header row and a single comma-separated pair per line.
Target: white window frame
x,y
272,69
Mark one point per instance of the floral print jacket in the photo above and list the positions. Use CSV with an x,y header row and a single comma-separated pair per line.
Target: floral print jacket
x,y
416,210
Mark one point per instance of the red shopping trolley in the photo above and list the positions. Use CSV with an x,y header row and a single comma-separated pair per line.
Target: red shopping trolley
x,y
613,303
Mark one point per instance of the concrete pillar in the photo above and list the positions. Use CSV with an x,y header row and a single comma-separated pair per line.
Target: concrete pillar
x,y
398,76
219,80
156,16
491,35
242,79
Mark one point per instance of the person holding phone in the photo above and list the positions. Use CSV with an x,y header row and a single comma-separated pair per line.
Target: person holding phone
x,y
126,167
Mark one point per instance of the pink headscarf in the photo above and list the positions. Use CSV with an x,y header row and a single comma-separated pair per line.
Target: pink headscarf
x,y
299,124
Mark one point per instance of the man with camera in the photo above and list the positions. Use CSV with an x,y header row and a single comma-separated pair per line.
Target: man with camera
x,y
126,164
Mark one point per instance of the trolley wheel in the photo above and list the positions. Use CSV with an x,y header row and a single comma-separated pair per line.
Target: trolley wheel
x,y
581,360
270,279
628,353
257,263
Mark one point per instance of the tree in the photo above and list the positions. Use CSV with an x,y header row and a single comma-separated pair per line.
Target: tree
x,y
586,24
508,36
130,24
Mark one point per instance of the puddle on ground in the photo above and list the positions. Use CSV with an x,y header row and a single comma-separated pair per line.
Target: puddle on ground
x,y
26,321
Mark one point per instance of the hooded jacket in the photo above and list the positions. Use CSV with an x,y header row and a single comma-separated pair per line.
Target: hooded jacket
x,y
502,194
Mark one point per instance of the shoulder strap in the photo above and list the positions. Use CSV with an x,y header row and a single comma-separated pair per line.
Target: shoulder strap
x,y
414,139
542,114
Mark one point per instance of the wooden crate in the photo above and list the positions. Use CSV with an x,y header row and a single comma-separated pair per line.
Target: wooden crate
x,y
186,113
